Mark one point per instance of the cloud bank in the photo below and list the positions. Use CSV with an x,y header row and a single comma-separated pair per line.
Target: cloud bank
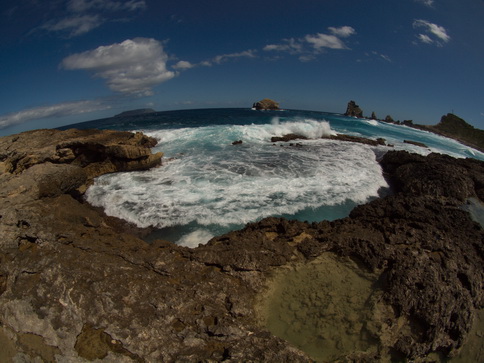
x,y
59,110
134,66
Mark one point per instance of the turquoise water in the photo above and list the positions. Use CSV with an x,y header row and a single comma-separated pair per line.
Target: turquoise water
x,y
207,186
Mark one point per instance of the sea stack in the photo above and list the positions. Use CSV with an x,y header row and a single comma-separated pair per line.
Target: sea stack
x,y
266,104
353,110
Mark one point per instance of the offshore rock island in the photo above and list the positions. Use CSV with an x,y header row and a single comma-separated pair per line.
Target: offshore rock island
x,y
76,285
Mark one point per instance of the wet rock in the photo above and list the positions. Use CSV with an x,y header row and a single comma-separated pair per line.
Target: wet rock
x,y
358,139
288,137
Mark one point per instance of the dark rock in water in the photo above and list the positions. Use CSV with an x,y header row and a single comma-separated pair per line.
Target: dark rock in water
x,y
238,142
416,143
389,119
373,116
82,287
353,110
288,137
266,104
358,139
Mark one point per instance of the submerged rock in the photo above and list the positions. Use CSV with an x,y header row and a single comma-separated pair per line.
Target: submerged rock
x,y
80,286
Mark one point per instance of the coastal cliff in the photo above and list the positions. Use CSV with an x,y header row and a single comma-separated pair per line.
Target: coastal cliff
x,y
75,284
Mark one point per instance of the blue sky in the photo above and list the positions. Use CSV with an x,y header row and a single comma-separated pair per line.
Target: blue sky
x,y
67,61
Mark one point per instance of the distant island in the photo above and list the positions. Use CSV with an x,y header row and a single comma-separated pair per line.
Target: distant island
x,y
138,111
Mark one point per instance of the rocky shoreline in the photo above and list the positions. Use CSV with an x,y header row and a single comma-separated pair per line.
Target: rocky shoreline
x,y
75,286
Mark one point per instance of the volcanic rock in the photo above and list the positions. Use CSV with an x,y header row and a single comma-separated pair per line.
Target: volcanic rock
x,y
416,143
353,110
266,104
358,139
288,137
73,286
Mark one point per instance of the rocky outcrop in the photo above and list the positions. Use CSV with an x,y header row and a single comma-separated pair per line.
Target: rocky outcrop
x,y
89,153
288,137
358,139
266,104
74,285
353,110
456,128
338,137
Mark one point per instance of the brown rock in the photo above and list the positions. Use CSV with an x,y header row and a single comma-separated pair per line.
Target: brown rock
x,y
266,104
80,286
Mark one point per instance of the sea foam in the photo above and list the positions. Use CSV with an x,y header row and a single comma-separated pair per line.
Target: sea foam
x,y
208,181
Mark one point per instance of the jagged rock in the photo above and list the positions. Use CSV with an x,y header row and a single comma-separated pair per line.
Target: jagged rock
x,y
266,104
353,110
416,143
358,139
288,137
389,119
96,152
82,288
373,116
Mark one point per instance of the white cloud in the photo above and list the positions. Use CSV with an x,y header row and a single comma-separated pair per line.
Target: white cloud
x,y
82,16
382,56
134,66
76,25
429,3
110,5
59,110
438,32
313,44
319,41
291,45
183,65
225,57
344,31
425,39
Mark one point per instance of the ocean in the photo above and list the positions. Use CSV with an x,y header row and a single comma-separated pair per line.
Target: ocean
x,y
208,186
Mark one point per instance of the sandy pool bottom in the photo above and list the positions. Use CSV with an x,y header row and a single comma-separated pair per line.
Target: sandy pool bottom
x,y
322,307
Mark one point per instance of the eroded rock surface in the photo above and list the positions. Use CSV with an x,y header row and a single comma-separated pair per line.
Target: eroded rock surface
x,y
81,287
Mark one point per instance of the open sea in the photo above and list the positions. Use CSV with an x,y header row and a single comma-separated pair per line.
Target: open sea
x,y
207,186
